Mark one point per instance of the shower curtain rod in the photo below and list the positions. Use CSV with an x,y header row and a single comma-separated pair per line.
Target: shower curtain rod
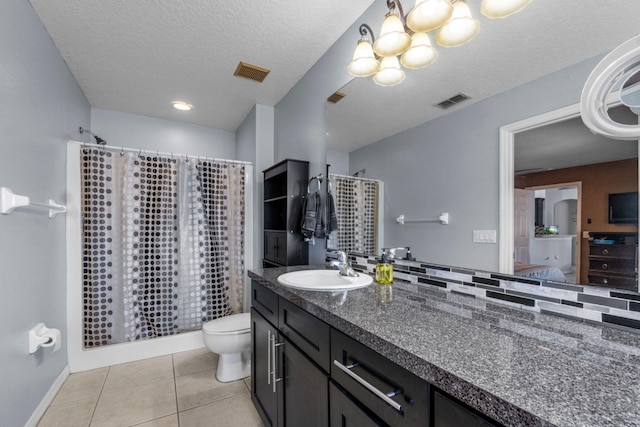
x,y
159,153
353,177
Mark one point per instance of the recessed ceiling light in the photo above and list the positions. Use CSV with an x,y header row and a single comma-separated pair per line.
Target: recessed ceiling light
x,y
182,106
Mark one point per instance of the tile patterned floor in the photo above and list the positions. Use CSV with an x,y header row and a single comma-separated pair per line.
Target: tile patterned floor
x,y
178,390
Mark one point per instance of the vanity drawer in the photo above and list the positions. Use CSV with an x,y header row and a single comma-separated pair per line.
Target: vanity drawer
x,y
307,332
265,302
370,377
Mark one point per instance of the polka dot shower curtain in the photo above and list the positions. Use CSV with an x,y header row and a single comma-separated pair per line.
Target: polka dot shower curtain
x,y
163,245
356,201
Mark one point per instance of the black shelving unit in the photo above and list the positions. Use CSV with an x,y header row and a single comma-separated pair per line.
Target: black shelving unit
x,y
285,186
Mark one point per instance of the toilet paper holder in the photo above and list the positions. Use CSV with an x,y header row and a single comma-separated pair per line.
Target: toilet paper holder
x,y
41,336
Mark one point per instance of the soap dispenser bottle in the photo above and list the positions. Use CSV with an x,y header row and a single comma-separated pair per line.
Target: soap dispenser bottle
x,y
384,270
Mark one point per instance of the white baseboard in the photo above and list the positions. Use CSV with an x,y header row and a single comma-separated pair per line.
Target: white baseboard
x,y
48,398
114,354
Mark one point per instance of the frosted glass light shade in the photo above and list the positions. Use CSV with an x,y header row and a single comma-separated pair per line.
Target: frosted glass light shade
x,y
364,63
420,54
390,73
461,27
393,39
428,15
502,8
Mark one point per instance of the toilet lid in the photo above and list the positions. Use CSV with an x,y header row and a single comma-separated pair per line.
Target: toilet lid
x,y
233,323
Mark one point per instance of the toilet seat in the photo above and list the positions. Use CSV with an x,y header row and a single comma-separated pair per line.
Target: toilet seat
x,y
233,324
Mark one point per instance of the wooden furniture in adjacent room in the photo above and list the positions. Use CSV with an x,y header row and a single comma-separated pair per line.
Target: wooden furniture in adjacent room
x,y
613,260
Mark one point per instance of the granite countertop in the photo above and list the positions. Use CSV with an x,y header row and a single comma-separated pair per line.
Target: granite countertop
x,y
521,368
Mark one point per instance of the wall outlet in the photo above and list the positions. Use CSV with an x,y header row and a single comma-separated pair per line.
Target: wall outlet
x,y
484,236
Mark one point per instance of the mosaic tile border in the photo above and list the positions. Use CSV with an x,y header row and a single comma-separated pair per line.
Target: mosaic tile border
x,y
587,303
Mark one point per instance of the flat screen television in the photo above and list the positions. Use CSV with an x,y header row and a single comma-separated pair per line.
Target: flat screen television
x,y
623,208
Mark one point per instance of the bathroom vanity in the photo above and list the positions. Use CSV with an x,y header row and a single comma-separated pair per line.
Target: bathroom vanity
x,y
432,358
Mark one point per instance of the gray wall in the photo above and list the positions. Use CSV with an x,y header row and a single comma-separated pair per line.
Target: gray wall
x,y
43,109
149,133
254,143
451,164
300,117
338,161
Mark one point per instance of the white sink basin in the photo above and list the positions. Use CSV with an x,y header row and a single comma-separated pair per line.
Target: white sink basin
x,y
323,280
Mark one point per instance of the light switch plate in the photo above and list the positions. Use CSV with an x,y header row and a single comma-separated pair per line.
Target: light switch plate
x,y
484,236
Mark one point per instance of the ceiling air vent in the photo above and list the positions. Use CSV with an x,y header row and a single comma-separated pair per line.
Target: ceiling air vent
x,y
250,71
456,99
337,96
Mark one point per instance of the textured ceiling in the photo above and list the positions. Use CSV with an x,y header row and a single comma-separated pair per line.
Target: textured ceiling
x,y
137,56
546,36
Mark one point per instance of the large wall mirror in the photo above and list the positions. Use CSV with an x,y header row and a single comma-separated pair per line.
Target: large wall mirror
x,y
563,175
369,116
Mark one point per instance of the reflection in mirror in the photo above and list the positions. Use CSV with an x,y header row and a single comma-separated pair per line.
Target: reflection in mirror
x,y
369,114
566,146
556,156
630,93
358,203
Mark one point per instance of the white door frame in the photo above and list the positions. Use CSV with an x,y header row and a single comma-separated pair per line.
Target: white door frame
x,y
507,150
507,138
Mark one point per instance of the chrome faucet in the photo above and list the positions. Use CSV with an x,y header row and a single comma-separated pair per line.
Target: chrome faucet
x,y
343,265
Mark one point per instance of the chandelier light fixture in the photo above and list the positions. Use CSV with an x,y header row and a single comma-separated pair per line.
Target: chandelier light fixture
x,y
407,36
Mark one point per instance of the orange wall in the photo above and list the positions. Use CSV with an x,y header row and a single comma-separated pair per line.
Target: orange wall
x,y
597,182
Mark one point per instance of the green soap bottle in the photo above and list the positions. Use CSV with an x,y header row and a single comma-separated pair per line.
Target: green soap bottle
x,y
384,271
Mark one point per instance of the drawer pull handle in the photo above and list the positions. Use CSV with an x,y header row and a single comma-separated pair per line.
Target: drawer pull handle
x,y
604,266
269,357
274,370
368,386
605,252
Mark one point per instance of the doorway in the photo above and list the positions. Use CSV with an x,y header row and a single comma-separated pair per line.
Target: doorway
x,y
507,175
556,213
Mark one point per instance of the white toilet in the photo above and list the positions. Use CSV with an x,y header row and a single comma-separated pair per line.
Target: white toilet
x,y
230,337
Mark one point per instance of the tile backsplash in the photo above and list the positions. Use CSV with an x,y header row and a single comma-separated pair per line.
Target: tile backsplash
x,y
588,303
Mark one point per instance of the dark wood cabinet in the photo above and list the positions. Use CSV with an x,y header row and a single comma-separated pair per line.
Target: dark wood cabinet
x,y
613,260
264,394
287,387
306,373
448,412
393,394
347,412
285,186
305,390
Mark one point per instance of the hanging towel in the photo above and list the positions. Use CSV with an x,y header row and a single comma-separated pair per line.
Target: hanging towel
x,y
320,230
333,218
309,216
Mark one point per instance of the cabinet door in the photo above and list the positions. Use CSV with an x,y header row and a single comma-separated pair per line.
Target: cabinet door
x,y
449,413
263,395
345,412
306,390
275,247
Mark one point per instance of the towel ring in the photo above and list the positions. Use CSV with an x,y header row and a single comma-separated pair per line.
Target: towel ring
x,y
318,179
